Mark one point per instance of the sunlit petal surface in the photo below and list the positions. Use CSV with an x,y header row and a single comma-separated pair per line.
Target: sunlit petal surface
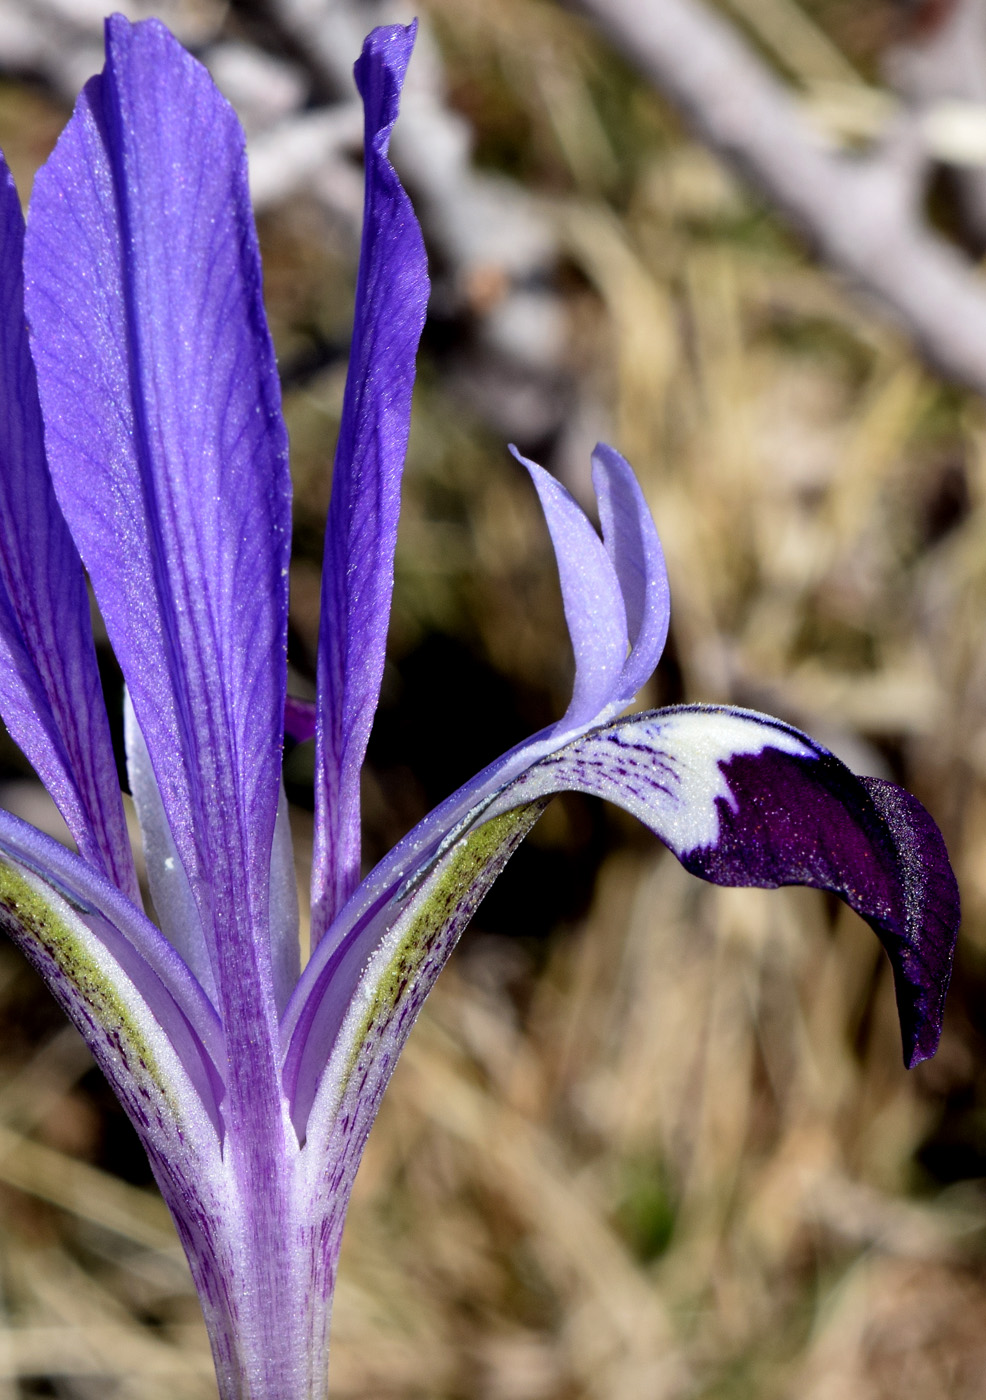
x,y
162,410
358,573
50,693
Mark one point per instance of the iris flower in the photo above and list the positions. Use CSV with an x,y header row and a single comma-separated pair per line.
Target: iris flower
x,y
142,444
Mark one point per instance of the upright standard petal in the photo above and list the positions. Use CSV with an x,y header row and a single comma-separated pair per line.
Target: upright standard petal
x,y
357,578
50,694
594,606
168,453
632,542
169,458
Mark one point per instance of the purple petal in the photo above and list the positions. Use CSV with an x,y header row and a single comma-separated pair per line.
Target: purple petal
x,y
50,694
168,1085
299,719
742,799
113,949
357,579
284,918
632,542
174,904
402,971
594,607
168,453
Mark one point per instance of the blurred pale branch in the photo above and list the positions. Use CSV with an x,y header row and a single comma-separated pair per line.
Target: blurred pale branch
x,y
861,212
493,249
941,73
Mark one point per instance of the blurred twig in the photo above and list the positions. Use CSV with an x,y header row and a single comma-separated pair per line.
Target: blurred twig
x,y
862,213
940,71
492,249
85,1191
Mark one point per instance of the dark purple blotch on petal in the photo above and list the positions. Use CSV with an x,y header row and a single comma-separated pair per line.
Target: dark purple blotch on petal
x,y
743,799
810,821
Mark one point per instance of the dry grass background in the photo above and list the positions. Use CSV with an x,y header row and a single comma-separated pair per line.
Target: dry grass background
x,y
665,1146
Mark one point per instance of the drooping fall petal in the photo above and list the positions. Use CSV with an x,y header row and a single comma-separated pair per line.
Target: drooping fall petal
x,y
743,799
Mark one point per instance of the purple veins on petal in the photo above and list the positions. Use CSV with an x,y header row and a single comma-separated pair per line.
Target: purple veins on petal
x,y
133,946
163,422
594,608
743,799
632,543
361,532
50,693
168,457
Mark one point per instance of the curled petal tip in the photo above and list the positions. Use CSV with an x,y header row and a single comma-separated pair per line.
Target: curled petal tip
x,y
742,799
379,72
928,921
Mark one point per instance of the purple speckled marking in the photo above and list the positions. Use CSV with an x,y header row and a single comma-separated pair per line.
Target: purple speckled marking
x,y
743,799
813,822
